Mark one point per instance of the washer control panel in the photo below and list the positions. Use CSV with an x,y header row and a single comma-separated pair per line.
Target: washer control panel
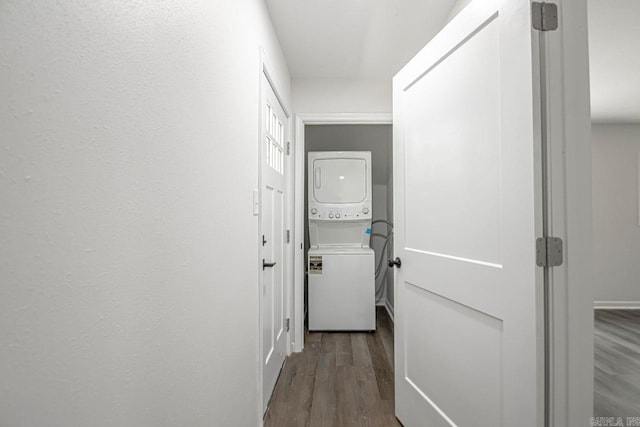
x,y
343,214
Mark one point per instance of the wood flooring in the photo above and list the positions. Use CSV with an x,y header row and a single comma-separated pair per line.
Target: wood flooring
x,y
340,379
617,363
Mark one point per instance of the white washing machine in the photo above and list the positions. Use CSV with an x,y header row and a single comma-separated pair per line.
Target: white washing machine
x,y
340,261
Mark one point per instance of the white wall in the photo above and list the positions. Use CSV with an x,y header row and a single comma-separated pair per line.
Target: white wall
x,y
341,96
128,254
615,212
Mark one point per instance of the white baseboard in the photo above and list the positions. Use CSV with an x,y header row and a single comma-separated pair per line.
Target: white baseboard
x,y
616,305
385,303
389,308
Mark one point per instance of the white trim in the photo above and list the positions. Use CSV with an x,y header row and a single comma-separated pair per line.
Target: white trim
x,y
570,215
267,69
389,308
616,305
343,118
385,303
301,120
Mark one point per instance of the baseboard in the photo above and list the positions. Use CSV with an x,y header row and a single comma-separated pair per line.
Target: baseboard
x,y
385,303
616,305
389,308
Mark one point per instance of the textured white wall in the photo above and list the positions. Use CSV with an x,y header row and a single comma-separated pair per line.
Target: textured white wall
x,y
615,212
341,96
128,248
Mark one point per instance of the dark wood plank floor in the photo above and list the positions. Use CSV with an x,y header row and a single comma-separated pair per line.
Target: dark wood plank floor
x,y
340,379
617,363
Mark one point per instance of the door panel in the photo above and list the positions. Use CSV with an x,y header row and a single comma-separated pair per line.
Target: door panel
x,y
468,305
472,339
460,180
273,172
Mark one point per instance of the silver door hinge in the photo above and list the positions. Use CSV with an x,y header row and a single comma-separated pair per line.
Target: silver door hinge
x,y
287,324
544,16
288,236
549,251
288,148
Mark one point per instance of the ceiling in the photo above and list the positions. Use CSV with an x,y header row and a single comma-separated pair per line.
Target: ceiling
x,y
351,39
614,49
373,39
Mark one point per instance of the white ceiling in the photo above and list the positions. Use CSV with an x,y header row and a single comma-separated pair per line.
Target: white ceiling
x,y
372,39
614,39
354,38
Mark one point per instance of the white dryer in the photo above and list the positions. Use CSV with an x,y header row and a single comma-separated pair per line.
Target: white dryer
x,y
340,261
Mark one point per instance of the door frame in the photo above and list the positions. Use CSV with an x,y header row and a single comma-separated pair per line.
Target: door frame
x,y
565,64
301,120
273,80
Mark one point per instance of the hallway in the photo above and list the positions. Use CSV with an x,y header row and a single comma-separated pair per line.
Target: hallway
x,y
340,379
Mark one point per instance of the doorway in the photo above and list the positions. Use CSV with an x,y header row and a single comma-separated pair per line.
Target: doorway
x,y
303,121
375,138
274,206
614,36
342,377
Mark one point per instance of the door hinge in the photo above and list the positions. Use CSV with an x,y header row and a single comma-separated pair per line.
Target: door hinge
x,y
288,148
287,323
288,236
549,251
544,16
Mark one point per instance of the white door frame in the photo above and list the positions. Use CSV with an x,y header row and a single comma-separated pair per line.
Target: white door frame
x,y
297,320
274,81
568,124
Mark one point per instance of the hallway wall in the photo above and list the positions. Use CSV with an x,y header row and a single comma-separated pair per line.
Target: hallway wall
x,y
341,96
616,151
128,248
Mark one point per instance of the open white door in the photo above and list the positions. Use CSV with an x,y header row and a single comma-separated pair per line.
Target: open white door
x,y
272,196
469,319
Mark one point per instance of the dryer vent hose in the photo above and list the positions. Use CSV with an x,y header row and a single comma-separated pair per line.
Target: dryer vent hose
x,y
387,238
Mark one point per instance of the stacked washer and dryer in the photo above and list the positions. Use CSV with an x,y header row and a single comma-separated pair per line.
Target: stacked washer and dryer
x,y
340,260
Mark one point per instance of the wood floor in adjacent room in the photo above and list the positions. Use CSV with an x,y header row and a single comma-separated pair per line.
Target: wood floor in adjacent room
x,y
340,379
617,363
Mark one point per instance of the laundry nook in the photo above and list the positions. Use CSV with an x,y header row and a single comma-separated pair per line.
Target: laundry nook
x,y
340,259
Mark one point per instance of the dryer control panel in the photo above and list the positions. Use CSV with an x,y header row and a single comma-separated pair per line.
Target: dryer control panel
x,y
326,213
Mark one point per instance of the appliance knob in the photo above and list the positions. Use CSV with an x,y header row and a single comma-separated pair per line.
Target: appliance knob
x,y
337,215
314,211
330,215
365,211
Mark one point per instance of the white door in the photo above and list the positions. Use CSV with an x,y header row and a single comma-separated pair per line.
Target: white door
x,y
274,135
468,310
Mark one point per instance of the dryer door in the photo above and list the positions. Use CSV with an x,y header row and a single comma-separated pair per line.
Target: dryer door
x,y
339,180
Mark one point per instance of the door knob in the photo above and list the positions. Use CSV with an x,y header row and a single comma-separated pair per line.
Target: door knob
x,y
267,264
394,262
